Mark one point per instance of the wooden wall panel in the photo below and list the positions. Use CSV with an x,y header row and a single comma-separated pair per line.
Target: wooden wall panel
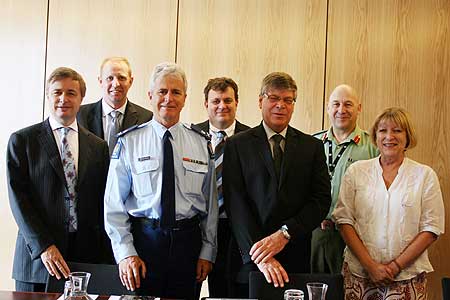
x,y
83,33
246,40
397,53
22,34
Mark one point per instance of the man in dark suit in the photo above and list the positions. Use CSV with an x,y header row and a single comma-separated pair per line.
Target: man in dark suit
x,y
114,112
221,101
276,188
56,174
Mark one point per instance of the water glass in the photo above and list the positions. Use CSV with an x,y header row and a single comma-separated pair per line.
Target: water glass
x,y
317,290
293,294
67,289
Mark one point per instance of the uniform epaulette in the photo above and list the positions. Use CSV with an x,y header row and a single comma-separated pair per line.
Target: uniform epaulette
x,y
129,129
365,132
198,130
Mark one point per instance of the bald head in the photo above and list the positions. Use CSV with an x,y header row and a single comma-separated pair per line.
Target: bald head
x,y
343,108
344,90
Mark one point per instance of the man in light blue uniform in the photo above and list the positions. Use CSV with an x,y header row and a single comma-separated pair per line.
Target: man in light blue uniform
x,y
161,198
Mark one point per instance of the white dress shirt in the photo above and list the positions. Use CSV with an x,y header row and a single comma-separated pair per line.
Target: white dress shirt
x,y
387,220
106,117
213,131
270,133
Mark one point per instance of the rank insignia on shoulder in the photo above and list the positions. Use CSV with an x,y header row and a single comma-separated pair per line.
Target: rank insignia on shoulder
x,y
194,161
356,139
116,152
200,131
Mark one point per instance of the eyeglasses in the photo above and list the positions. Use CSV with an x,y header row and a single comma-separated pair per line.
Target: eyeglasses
x,y
276,99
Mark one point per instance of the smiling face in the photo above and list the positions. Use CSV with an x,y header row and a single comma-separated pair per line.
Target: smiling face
x,y
391,139
343,109
167,98
115,80
64,100
221,107
277,106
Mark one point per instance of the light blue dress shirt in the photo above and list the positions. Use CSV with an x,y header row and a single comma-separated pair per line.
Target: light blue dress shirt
x,y
135,179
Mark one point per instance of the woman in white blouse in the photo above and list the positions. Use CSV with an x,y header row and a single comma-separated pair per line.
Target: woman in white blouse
x,y
390,210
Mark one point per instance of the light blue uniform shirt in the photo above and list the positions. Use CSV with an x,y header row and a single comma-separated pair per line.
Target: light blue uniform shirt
x,y
135,180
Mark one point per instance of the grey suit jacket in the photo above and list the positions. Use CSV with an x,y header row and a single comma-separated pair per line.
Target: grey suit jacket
x,y
36,187
90,117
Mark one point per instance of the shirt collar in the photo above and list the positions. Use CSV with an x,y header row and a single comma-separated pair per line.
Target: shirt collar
x,y
229,131
55,125
161,129
354,137
107,109
270,132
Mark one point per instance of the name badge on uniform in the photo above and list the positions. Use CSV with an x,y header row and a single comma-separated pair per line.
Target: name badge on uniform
x,y
195,161
144,158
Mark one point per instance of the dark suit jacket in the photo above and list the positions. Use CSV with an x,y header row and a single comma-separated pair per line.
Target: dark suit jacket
x,y
239,126
258,205
36,186
90,117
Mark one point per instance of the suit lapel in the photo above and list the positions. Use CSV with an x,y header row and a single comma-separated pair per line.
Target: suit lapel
x,y
264,150
290,153
131,116
95,121
84,152
239,127
47,141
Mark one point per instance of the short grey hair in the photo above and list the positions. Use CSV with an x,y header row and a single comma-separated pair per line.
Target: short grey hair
x,y
165,69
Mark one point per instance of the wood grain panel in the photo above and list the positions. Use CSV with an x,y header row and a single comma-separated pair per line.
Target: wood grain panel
x,y
397,53
246,40
22,33
83,33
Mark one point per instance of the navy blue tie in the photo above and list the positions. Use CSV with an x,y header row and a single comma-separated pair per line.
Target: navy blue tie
x,y
168,185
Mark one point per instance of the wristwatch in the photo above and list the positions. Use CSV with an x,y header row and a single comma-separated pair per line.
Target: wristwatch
x,y
284,230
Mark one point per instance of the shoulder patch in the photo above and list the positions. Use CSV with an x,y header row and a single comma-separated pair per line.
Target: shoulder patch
x,y
116,152
198,130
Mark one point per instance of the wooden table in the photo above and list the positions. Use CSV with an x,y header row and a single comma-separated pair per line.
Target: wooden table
x,y
10,295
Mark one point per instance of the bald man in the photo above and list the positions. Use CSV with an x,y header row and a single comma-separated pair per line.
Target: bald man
x,y
344,143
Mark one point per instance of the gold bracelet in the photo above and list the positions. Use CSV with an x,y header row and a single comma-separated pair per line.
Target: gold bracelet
x,y
398,266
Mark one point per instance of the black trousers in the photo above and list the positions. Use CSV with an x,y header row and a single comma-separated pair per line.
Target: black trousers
x,y
170,256
221,280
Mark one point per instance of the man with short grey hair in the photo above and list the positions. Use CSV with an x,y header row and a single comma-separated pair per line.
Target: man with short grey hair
x,y
161,198
276,188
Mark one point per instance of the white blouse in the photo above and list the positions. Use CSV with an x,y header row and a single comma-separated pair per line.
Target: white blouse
x,y
387,220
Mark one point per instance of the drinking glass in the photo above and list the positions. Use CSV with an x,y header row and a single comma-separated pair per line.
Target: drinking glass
x,y
293,294
316,290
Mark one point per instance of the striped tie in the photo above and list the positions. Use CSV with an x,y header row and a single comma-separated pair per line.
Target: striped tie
x,y
218,158
68,163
